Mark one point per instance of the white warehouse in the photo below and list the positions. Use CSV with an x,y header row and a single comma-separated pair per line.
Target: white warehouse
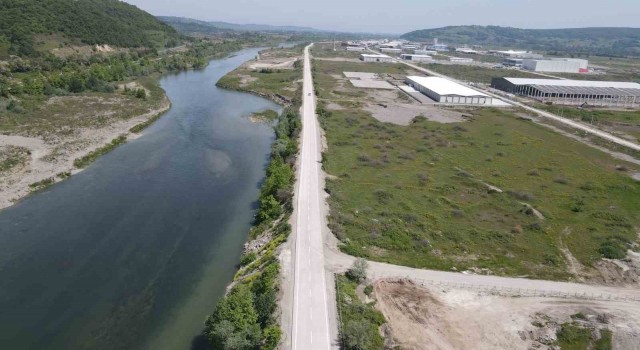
x,y
446,91
375,58
556,65
417,58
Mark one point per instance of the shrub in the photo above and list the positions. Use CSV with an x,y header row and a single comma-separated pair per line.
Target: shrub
x,y
358,271
612,249
356,335
382,196
247,259
368,290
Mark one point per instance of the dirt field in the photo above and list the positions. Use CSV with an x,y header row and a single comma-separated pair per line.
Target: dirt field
x,y
444,318
273,63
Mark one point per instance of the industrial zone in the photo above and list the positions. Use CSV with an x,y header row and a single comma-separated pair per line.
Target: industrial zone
x,y
548,89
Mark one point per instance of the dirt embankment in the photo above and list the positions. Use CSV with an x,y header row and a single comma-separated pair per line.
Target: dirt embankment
x,y
53,157
446,318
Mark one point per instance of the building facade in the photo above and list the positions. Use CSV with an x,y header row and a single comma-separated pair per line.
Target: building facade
x,y
375,58
446,91
573,92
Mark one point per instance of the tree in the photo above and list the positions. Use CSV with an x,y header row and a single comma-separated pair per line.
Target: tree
x,y
269,209
356,335
234,323
358,271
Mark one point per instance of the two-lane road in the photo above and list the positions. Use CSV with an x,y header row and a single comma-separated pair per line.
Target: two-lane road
x,y
310,329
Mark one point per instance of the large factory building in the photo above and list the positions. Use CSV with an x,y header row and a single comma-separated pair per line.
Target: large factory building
x,y
447,91
561,91
556,65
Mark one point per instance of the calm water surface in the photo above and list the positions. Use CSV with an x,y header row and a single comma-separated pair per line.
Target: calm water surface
x,y
134,252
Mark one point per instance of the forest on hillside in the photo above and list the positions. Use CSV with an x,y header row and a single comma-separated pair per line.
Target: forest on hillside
x,y
92,22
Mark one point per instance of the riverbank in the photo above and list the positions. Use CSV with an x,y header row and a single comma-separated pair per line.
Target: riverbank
x,y
137,249
53,157
252,309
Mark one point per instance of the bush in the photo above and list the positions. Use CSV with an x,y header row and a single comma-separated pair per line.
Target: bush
x,y
612,249
356,335
358,271
247,259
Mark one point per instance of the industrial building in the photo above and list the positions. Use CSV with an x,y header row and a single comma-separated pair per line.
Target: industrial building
x,y
460,59
425,52
390,50
512,62
414,57
573,92
355,48
375,58
447,91
556,65
467,50
516,54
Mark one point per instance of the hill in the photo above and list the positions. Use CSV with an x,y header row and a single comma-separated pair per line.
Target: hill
x,y
192,25
596,41
111,22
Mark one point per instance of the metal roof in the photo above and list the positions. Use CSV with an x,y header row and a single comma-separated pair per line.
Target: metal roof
x,y
574,83
444,87
374,56
580,90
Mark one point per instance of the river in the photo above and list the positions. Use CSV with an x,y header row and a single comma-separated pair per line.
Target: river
x,y
135,251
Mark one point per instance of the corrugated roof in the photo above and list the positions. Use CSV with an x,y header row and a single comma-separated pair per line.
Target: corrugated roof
x,y
444,87
574,83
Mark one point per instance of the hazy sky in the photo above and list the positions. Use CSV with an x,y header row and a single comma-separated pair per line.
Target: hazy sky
x,y
399,16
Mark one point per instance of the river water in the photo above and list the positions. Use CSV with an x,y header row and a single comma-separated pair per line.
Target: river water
x,y
134,252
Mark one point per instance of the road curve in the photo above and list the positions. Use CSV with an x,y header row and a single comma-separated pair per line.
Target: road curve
x,y
310,326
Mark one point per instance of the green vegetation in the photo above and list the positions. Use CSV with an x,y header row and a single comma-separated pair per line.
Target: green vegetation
x,y
92,156
279,85
267,115
359,321
574,337
244,319
42,184
91,22
594,41
476,74
623,121
13,156
419,196
145,124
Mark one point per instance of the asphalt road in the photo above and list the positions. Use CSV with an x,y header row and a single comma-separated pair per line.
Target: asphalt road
x,y
310,328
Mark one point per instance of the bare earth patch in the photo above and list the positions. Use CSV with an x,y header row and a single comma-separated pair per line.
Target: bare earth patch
x,y
403,113
445,318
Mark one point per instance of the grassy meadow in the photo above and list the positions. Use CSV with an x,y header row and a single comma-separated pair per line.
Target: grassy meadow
x,y
420,195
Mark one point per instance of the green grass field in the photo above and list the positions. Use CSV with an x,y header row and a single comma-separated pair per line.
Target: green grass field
x,y
627,121
417,195
267,82
39,115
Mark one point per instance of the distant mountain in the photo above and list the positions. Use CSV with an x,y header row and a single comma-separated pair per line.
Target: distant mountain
x,y
187,25
91,22
600,41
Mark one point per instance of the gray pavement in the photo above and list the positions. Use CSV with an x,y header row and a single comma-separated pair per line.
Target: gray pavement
x,y
310,326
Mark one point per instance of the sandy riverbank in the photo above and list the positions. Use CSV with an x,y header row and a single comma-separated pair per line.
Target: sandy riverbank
x,y
52,157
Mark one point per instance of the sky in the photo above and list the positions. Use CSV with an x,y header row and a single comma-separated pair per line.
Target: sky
x,y
400,16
